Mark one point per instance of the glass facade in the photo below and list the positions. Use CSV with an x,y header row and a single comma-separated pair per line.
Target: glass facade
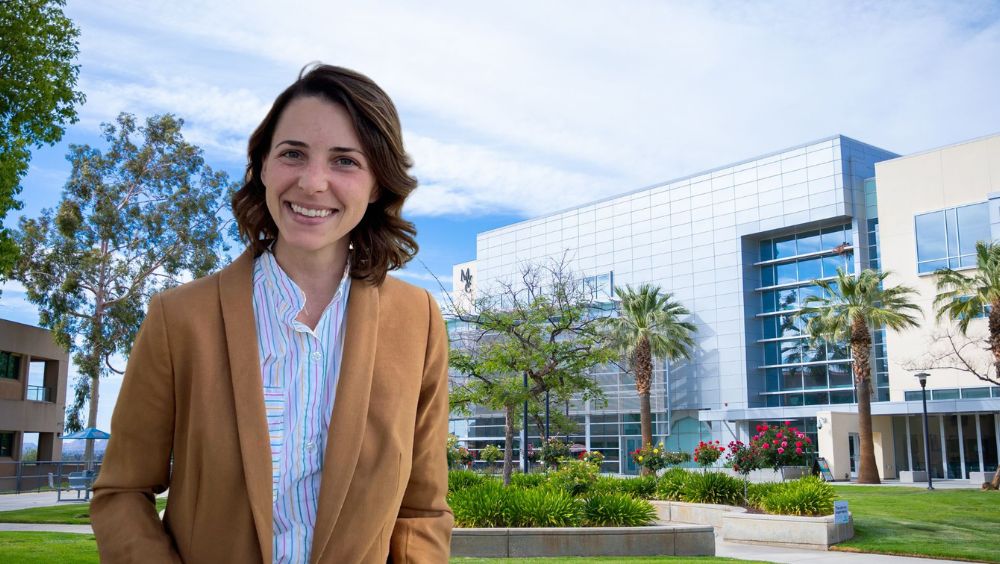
x,y
796,370
947,238
959,444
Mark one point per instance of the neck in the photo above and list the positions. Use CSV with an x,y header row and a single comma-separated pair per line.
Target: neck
x,y
317,274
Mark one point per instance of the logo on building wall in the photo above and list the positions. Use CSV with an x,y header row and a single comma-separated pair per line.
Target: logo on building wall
x,y
466,277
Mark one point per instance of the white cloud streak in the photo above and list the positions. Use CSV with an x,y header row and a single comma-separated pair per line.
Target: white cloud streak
x,y
534,107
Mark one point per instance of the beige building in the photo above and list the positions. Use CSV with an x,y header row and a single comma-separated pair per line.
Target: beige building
x,y
33,370
932,208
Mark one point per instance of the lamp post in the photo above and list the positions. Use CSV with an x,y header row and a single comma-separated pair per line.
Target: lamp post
x,y
922,376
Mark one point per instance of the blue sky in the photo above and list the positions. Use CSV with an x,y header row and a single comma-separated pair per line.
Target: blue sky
x,y
518,109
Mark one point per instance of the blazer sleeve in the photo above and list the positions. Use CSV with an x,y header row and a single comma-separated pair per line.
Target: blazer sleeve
x,y
136,465
423,527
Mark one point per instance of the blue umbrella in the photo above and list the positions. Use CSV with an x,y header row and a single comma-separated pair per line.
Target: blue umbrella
x,y
88,433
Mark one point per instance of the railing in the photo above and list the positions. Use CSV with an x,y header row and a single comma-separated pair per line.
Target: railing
x,y
39,393
19,476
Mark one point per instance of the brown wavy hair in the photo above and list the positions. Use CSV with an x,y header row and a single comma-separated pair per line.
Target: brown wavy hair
x,y
383,240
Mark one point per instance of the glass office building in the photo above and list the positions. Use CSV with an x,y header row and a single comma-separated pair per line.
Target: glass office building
x,y
740,247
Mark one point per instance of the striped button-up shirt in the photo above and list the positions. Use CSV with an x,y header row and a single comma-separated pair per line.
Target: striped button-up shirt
x,y
300,367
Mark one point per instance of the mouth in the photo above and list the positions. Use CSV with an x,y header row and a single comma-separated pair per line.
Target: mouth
x,y
310,212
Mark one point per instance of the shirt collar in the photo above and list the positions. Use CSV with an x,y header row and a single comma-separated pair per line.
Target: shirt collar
x,y
288,297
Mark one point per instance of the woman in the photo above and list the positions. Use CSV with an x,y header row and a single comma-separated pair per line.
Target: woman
x,y
301,393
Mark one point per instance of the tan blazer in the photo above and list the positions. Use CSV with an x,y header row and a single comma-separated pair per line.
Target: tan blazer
x,y
193,389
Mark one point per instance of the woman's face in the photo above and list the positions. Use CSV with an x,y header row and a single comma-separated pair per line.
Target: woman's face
x,y
317,179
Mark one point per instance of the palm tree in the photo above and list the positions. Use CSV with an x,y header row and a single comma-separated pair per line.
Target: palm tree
x,y
848,310
649,325
963,298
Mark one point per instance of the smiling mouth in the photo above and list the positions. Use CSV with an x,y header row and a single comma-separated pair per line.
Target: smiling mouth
x,y
310,212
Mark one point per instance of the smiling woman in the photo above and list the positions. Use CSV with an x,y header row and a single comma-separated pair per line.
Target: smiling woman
x,y
300,393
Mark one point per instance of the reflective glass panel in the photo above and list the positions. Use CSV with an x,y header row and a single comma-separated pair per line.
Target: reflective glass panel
x,y
788,299
785,273
833,237
809,242
767,276
973,225
840,376
769,301
951,229
810,269
817,398
814,376
793,399
791,353
791,378
766,250
842,396
931,240
832,263
784,247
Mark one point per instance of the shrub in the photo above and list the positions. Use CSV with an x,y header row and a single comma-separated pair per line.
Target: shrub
x,y
490,454
781,445
641,487
482,505
655,457
744,458
462,479
542,507
527,481
806,496
575,477
757,492
617,510
712,487
553,451
592,456
458,456
707,453
671,484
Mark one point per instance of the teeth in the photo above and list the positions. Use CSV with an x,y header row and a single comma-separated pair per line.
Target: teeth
x,y
310,212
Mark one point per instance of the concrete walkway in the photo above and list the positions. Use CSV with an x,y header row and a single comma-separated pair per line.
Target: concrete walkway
x,y
50,528
796,555
10,502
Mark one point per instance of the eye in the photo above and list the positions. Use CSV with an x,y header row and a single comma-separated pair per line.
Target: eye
x,y
344,161
294,154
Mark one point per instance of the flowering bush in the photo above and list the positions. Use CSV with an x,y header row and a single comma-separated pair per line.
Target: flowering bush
x,y
655,457
592,456
458,455
782,445
490,454
553,451
744,458
532,453
707,453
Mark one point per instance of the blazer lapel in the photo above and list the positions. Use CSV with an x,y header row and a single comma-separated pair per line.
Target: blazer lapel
x,y
236,296
350,410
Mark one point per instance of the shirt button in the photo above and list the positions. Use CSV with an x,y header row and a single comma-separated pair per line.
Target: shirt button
x,y
317,356
310,446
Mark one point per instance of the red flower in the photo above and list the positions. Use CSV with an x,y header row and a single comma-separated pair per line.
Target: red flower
x,y
798,444
787,423
766,445
798,451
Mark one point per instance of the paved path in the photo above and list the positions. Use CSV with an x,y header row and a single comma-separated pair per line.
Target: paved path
x,y
796,555
80,529
10,502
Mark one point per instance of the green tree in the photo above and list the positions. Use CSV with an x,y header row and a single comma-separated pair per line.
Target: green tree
x,y
541,328
649,325
37,96
849,309
133,220
962,298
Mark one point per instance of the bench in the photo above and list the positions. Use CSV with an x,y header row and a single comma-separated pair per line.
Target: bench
x,y
79,482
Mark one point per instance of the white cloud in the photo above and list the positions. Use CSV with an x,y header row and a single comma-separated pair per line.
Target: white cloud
x,y
529,107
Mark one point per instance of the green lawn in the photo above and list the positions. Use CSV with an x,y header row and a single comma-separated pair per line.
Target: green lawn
x,y
68,548
45,548
69,513
956,524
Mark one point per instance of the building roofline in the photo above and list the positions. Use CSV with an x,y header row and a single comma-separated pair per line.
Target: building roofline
x,y
941,148
685,177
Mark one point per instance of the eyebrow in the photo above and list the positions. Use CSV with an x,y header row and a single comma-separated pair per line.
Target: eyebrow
x,y
303,144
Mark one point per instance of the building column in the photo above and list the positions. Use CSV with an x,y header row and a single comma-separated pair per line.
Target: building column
x,y
909,446
961,448
979,444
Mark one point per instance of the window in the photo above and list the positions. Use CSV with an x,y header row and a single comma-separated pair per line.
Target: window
x,y
6,444
947,238
10,365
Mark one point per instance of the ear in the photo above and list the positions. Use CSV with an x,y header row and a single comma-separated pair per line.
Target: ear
x,y
373,197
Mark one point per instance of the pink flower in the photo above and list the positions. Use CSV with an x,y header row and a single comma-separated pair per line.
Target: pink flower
x,y
767,445
808,440
787,423
784,443
798,444
800,436
722,449
779,435
780,450
798,451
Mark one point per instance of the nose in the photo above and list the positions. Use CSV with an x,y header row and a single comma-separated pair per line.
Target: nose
x,y
315,178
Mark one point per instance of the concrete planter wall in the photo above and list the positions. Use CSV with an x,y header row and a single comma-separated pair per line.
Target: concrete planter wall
x,y
784,474
735,524
667,540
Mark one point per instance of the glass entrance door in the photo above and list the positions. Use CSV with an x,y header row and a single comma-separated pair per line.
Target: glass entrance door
x,y
854,449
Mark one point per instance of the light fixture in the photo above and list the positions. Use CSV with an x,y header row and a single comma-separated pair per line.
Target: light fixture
x,y
922,376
